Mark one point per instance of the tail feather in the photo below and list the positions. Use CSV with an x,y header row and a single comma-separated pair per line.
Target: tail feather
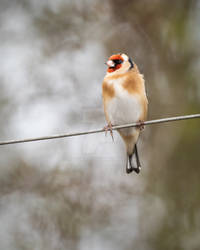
x,y
129,165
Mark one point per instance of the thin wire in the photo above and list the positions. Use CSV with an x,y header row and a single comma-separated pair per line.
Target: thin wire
x,y
169,119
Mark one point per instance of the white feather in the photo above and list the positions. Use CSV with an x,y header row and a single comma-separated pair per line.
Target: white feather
x,y
125,57
123,108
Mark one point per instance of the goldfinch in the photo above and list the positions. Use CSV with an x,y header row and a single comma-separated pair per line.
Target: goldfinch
x,y
125,101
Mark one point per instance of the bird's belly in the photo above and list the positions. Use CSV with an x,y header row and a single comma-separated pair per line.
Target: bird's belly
x,y
124,109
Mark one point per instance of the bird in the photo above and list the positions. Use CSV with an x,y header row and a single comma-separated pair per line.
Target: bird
x,y
125,101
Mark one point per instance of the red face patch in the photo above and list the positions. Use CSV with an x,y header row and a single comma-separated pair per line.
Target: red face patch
x,y
118,60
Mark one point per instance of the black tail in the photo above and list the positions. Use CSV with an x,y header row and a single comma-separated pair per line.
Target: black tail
x,y
129,166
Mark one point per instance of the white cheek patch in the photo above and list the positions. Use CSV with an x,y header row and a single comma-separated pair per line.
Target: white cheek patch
x,y
125,57
110,63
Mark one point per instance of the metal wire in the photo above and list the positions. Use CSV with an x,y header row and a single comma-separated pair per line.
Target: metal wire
x,y
157,121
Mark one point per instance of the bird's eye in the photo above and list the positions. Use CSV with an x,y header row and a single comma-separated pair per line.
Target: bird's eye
x,y
117,61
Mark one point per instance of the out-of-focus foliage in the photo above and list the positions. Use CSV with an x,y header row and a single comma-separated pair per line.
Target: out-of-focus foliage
x,y
74,193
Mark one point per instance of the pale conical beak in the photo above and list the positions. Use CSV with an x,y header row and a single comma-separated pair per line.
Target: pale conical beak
x,y
110,63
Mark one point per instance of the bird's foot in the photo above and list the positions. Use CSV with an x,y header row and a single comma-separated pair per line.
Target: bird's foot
x,y
109,128
140,125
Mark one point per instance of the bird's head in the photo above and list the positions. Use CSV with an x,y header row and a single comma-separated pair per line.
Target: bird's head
x,y
119,63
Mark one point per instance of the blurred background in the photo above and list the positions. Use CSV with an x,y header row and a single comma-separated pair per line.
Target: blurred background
x,y
74,193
